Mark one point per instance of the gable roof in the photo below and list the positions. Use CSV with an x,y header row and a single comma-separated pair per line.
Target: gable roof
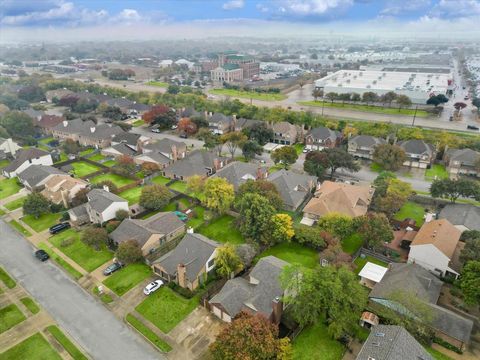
x,y
293,187
164,146
257,295
193,251
333,197
123,148
391,342
284,127
99,199
439,233
462,214
24,155
35,174
84,128
323,133
237,173
195,163
126,138
367,140
451,323
465,156
415,146
49,121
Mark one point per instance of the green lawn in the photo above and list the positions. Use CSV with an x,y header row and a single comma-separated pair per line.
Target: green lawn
x,y
165,308
110,163
366,108
149,334
352,243
160,180
97,157
84,255
140,175
6,279
132,195
138,123
105,296
10,316
127,278
275,168
413,211
179,186
2,212
4,163
157,83
8,187
376,167
60,261
437,171
299,148
16,225
75,353
82,168
118,180
437,355
360,263
43,222
46,140
63,157
87,151
15,204
30,305
293,253
35,347
198,219
315,343
222,230
248,94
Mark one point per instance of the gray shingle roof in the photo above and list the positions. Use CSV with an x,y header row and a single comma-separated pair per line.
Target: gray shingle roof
x,y
391,342
464,156
293,187
195,163
127,138
451,324
416,147
84,128
24,155
367,140
239,293
193,251
165,146
124,149
462,214
34,174
324,133
99,199
237,173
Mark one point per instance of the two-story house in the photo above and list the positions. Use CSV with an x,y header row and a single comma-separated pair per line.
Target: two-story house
x,y
87,133
237,173
198,162
25,158
462,162
162,152
419,153
363,146
285,133
322,137
220,124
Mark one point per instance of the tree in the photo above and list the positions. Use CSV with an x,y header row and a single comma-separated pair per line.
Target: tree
x,y
187,126
247,253
200,121
211,141
155,197
317,93
256,213
250,337
121,215
453,189
375,229
129,252
369,97
149,168
160,115
310,236
195,184
80,197
264,188
403,101
36,204
31,93
94,236
233,140
282,228
71,147
173,89
315,163
339,159
389,97
250,149
17,124
110,185
470,282
335,255
227,262
471,251
324,292
336,224
390,200
390,157
260,133
218,194
332,96
286,155
112,112
126,165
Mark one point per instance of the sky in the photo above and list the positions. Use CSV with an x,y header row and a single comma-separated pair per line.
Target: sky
x,y
58,20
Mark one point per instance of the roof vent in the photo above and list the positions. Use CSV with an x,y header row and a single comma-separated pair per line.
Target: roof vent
x,y
379,334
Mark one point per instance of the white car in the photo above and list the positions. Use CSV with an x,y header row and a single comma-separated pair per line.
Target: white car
x,y
156,130
152,287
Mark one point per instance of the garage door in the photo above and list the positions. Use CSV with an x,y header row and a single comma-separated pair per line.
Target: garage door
x,y
217,311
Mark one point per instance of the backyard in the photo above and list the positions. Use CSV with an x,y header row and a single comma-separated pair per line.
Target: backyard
x,y
360,262
352,243
118,180
97,157
315,343
160,180
33,348
132,195
127,278
249,94
82,168
222,230
293,253
43,222
413,211
8,187
165,308
110,163
88,258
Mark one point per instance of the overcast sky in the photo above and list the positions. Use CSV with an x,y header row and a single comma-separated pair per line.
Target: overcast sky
x,y
57,20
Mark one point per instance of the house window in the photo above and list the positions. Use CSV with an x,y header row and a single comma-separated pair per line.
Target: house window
x,y
210,263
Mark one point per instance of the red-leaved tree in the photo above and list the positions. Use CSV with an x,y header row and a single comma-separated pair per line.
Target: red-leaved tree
x,y
187,126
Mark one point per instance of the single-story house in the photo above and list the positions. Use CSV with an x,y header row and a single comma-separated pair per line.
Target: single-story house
x,y
35,176
237,173
294,188
363,146
189,263
462,216
462,161
258,293
371,274
198,162
419,153
25,158
151,233
322,137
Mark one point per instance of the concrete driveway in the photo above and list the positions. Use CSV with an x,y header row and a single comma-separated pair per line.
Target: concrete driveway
x,y
89,323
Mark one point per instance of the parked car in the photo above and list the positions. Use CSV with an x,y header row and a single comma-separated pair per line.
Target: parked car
x,y
152,287
472,127
42,255
183,136
156,131
305,150
59,227
112,268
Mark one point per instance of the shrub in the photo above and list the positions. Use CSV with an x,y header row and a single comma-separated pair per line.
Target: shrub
x,y
186,293
111,226
67,242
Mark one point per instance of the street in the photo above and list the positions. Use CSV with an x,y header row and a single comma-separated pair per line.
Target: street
x,y
94,327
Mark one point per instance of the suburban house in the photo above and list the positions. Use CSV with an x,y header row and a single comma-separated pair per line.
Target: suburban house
x,y
25,158
416,281
392,342
34,114
198,162
220,124
334,197
462,162
189,112
132,140
237,173
34,177
55,95
322,137
62,188
419,153
462,216
162,152
258,293
151,233
285,133
294,188
87,133
243,123
189,263
102,206
371,274
47,122
434,247
8,147
363,146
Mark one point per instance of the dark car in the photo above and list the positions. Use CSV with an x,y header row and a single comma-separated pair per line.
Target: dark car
x,y
112,268
59,227
42,255
472,127
183,136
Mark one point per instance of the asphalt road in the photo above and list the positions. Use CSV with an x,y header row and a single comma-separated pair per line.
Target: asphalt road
x,y
95,328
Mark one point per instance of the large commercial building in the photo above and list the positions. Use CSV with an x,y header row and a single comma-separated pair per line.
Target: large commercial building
x,y
418,86
234,67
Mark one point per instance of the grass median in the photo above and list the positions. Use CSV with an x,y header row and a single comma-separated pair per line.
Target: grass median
x,y
74,352
149,334
6,279
30,305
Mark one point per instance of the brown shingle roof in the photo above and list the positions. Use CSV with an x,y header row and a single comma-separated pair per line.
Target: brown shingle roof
x,y
440,233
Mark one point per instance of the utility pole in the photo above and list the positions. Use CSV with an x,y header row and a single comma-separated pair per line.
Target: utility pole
x,y
323,104
414,115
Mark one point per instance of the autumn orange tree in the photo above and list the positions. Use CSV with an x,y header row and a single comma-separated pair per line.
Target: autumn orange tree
x,y
187,126
161,115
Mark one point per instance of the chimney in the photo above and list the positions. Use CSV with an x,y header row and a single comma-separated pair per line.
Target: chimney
x,y
181,275
216,164
92,129
277,310
174,153
190,230
65,123
64,194
260,174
